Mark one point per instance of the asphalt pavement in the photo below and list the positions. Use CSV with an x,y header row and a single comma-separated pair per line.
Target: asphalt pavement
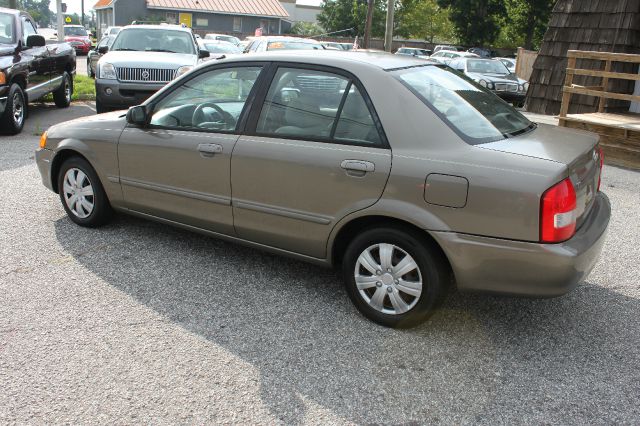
x,y
138,322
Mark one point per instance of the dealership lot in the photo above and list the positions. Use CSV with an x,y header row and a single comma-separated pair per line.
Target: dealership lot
x,y
140,322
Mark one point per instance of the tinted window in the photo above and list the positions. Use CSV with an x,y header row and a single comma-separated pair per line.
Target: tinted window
x,y
213,100
475,113
154,40
75,31
355,123
302,103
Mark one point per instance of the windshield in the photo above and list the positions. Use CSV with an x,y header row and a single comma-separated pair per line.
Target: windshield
x,y
230,39
475,113
6,28
154,40
293,45
75,31
221,48
486,66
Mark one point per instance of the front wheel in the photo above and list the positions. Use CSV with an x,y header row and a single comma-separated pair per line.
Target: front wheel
x,y
62,96
82,194
395,278
15,111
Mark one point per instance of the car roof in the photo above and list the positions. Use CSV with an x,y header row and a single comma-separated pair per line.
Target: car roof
x,y
285,38
159,26
336,58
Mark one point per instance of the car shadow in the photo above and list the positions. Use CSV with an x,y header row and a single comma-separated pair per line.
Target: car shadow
x,y
294,323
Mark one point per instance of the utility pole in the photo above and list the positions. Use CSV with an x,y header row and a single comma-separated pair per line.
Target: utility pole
x,y
82,12
388,34
60,19
367,25
13,4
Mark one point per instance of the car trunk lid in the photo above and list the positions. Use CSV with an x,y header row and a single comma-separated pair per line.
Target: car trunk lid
x,y
576,149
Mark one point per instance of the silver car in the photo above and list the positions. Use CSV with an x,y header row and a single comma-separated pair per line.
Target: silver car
x,y
408,177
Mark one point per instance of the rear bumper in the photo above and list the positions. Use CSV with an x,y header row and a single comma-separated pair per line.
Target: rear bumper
x,y
124,95
527,269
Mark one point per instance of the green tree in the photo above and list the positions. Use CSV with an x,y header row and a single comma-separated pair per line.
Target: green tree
x,y
425,19
526,22
476,22
338,15
306,29
38,9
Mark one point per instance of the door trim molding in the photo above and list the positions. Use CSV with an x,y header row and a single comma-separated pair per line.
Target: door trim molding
x,y
217,199
279,211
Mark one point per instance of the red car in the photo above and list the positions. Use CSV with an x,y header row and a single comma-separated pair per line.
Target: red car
x,y
77,36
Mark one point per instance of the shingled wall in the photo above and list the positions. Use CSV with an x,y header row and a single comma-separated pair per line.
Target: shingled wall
x,y
597,25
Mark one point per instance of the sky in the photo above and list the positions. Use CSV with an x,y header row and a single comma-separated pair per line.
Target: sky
x,y
73,6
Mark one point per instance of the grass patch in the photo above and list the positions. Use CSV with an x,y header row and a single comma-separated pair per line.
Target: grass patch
x,y
84,89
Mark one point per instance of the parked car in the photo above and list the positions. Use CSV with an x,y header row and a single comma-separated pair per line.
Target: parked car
x,y
30,69
223,37
411,51
77,36
268,43
447,47
291,152
337,46
446,56
94,55
493,75
510,63
111,31
218,47
482,52
141,60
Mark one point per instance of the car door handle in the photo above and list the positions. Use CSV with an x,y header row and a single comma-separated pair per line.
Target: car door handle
x,y
358,165
209,149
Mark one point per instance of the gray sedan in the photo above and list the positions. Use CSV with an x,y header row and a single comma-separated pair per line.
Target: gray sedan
x,y
409,178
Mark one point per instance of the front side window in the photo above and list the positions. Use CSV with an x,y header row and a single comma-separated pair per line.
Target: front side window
x,y
211,101
28,29
6,28
476,114
310,104
154,40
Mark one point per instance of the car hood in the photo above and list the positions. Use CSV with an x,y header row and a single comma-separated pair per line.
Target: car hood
x,y
125,58
115,120
7,49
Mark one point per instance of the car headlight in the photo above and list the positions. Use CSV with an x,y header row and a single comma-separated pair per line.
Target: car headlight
x,y
107,71
183,70
526,86
490,85
482,83
521,88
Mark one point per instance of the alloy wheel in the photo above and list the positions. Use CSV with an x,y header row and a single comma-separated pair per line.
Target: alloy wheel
x,y
18,109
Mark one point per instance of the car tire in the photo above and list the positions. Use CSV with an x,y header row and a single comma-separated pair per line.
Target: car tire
x,y
90,207
90,72
16,110
393,297
62,95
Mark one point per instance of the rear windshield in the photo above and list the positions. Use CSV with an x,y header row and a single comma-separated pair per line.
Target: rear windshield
x,y
154,40
476,114
293,45
75,31
223,47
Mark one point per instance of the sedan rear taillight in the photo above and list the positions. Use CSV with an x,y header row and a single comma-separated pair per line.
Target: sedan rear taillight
x,y
558,213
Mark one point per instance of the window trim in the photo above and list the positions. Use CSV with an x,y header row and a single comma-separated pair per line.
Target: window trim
x,y
258,104
242,120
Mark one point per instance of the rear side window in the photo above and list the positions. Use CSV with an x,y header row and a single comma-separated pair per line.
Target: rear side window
x,y
316,105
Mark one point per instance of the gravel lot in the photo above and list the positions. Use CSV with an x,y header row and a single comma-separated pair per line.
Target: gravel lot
x,y
140,322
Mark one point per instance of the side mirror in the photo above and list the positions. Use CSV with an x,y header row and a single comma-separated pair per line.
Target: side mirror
x,y
137,115
203,54
103,49
35,40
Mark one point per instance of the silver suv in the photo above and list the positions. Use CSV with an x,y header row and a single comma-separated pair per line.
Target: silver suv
x,y
141,60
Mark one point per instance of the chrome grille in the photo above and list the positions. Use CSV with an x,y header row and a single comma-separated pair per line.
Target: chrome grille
x,y
506,87
146,75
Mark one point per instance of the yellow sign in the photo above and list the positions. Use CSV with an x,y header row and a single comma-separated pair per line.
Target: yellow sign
x,y
67,19
185,18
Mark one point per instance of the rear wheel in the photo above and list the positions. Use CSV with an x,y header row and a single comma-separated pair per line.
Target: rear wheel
x,y
62,96
393,277
82,194
15,111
